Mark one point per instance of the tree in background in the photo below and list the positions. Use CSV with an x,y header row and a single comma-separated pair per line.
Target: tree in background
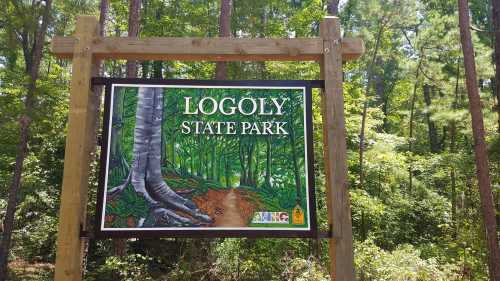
x,y
480,151
333,7
35,19
495,11
134,20
226,7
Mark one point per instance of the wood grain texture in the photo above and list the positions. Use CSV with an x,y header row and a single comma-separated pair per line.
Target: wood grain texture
x,y
210,49
335,153
79,141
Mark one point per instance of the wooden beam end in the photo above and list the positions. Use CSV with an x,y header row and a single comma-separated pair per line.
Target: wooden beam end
x,y
352,48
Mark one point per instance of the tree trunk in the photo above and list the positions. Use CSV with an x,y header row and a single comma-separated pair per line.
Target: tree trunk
x,y
117,164
293,146
32,68
191,160
243,174
227,174
145,69
103,16
433,137
146,176
295,163
213,164
267,182
480,152
256,173
218,166
412,115
226,7
496,29
333,7
158,69
200,155
250,150
453,138
365,106
134,19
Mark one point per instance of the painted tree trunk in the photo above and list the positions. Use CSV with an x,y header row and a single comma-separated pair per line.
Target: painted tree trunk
x,y
145,69
120,245
480,151
118,164
250,172
267,182
243,173
227,172
147,177
191,160
293,146
158,69
256,174
212,163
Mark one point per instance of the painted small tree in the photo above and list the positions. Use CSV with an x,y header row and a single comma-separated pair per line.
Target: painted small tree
x,y
145,175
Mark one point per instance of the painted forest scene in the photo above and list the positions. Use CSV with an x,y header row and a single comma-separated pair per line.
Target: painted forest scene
x,y
206,157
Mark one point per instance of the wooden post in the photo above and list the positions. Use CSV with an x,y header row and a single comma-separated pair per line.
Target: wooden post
x,y
79,142
339,212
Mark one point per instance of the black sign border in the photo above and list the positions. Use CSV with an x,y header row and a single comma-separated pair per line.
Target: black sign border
x,y
311,233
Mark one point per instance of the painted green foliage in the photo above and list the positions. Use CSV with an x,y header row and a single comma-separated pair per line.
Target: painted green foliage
x,y
213,141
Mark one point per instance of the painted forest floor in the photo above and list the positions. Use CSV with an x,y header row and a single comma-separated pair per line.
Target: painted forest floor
x,y
228,207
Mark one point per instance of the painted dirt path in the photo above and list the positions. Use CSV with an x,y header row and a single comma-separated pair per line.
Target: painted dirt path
x,y
230,214
228,207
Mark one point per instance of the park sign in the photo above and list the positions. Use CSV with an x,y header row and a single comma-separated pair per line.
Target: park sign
x,y
87,49
190,158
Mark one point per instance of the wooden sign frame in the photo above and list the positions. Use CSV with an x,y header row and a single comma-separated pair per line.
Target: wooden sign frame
x,y
86,48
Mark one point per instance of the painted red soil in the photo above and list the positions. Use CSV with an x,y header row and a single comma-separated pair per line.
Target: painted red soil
x,y
229,208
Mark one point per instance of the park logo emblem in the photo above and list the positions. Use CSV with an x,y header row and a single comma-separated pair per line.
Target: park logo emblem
x,y
271,217
298,215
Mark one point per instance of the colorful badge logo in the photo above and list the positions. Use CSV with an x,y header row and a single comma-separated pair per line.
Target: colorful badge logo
x,y
271,217
298,215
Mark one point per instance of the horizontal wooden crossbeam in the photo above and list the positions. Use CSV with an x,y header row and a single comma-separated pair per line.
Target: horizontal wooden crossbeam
x,y
210,49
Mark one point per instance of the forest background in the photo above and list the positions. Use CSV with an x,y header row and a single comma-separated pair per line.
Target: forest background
x,y
415,200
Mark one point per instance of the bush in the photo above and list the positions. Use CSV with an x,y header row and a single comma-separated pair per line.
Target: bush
x,y
404,263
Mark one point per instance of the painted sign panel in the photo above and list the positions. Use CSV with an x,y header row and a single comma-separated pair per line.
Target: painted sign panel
x,y
206,158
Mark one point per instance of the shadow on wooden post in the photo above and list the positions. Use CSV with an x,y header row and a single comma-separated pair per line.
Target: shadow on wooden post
x,y
334,138
79,142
